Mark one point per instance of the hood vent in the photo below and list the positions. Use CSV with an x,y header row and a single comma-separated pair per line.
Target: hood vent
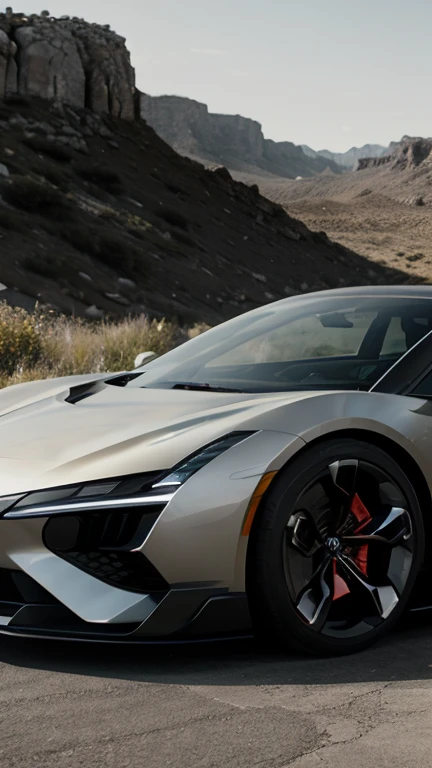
x,y
123,379
82,391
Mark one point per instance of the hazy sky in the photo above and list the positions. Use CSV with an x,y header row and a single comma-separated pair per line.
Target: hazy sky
x,y
328,73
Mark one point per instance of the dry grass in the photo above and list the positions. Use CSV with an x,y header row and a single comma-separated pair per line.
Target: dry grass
x,y
41,346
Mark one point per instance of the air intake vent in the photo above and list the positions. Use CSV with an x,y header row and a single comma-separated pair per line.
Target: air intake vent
x,y
102,544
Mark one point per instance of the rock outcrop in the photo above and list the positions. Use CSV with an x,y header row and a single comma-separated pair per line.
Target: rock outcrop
x,y
232,140
409,153
66,59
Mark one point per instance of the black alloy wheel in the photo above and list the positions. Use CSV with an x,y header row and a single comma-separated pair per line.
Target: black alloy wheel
x,y
336,549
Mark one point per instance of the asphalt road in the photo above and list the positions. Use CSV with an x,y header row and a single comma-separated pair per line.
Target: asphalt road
x,y
225,706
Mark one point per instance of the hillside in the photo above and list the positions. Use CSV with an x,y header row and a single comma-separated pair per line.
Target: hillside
x,y
231,140
100,217
383,210
405,176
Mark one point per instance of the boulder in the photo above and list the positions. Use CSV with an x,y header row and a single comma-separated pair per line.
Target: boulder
x,y
94,313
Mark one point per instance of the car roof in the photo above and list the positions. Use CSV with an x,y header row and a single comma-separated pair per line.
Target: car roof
x,y
388,291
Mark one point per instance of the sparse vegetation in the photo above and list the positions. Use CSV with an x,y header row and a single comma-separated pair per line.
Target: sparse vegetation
x,y
55,151
184,238
103,177
34,196
9,220
19,341
175,218
54,175
114,251
44,265
43,346
111,249
175,189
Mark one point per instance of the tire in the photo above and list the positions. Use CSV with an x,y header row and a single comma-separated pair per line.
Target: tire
x,y
315,579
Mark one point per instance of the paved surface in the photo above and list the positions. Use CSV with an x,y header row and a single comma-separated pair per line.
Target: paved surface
x,y
62,704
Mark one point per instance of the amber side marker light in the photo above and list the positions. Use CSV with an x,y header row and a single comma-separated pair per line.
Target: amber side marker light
x,y
255,500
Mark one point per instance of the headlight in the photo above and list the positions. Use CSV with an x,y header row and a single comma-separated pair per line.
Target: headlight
x,y
188,467
152,488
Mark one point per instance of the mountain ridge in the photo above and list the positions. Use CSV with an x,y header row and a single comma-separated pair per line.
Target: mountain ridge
x,y
349,159
232,140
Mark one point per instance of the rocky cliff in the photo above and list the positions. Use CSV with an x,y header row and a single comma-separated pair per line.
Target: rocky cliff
x,y
232,140
66,59
409,153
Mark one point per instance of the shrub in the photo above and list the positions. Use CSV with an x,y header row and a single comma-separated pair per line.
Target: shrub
x,y
58,346
184,238
103,177
10,220
19,339
111,249
114,251
139,234
174,188
33,196
54,176
82,237
47,266
175,218
43,146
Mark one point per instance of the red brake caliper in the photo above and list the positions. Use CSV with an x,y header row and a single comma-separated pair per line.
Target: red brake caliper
x,y
340,587
363,517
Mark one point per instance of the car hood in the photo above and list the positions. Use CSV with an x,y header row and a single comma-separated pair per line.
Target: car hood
x,y
50,436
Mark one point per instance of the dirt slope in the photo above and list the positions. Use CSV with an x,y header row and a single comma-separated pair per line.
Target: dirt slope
x,y
90,203
383,210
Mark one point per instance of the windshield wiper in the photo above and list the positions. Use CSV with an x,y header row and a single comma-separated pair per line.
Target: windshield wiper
x,y
198,387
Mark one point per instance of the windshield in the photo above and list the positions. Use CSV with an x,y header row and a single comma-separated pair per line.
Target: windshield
x,y
297,344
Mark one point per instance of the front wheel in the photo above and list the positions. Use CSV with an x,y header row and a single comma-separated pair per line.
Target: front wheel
x,y
336,549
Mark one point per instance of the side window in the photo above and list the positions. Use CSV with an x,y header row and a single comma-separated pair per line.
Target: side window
x,y
424,387
403,334
395,340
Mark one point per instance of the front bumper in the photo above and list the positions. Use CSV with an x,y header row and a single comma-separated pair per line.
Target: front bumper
x,y
179,615
179,575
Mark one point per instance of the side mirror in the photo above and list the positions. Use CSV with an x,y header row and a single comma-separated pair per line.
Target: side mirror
x,y
144,357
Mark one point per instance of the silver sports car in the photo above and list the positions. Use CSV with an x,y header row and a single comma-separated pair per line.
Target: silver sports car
x,y
273,475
